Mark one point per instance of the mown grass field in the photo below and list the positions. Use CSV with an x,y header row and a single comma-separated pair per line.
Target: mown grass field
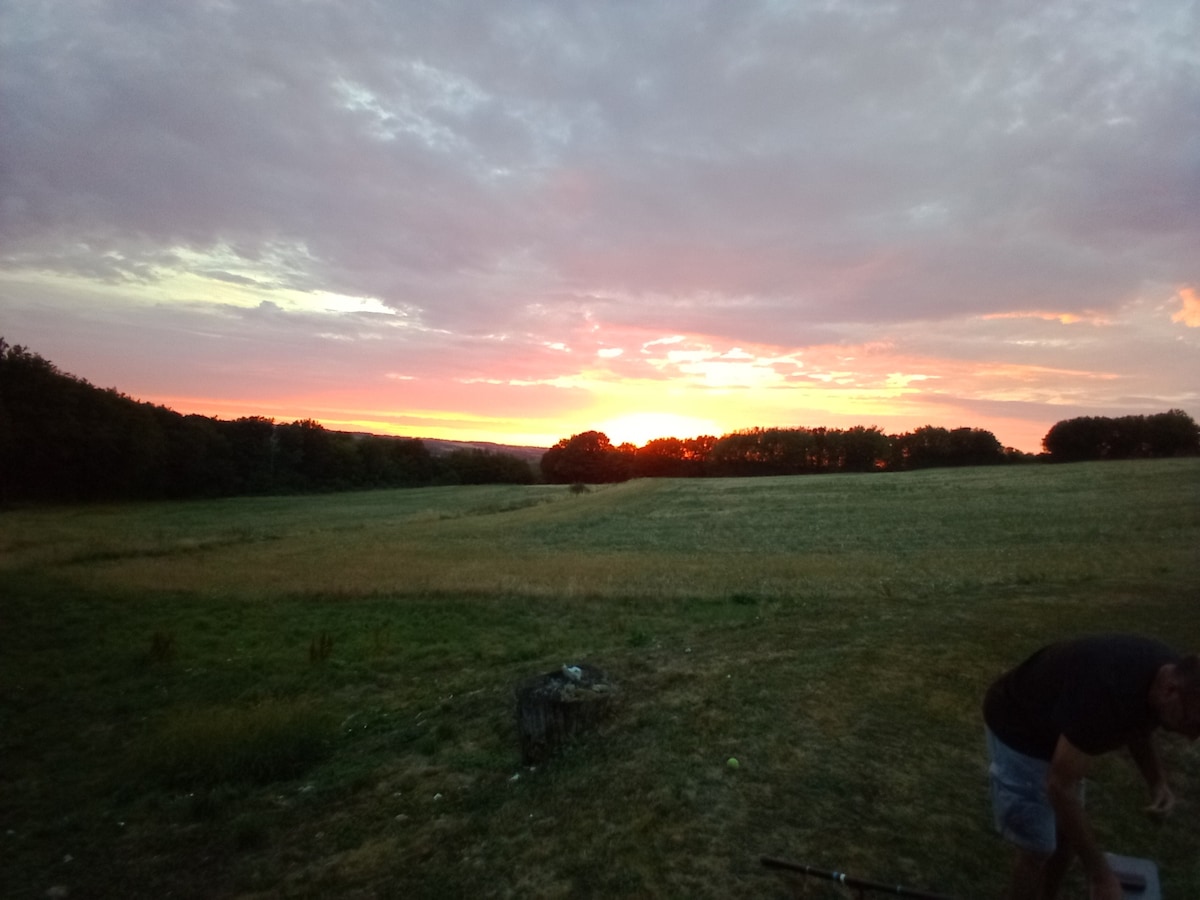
x,y
313,696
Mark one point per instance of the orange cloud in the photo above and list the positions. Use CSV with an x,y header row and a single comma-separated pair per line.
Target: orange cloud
x,y
1189,312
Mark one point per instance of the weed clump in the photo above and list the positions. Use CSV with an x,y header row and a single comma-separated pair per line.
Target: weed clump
x,y
272,741
320,648
162,648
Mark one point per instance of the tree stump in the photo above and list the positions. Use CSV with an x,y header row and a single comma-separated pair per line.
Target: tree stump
x,y
555,708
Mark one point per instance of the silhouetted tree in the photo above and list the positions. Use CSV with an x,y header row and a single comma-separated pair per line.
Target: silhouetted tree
x,y
671,457
798,451
863,449
68,440
587,458
1172,433
1073,440
660,458
198,458
975,447
475,466
411,462
742,453
926,447
252,447
931,446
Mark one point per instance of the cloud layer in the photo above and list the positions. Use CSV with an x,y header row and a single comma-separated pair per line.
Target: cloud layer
x,y
989,208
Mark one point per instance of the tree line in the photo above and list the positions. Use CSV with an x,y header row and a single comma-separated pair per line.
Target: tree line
x,y
62,439
592,458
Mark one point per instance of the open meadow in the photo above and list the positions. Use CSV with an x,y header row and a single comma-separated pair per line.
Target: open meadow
x,y
313,696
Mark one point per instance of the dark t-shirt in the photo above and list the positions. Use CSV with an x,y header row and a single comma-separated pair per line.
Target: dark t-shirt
x,y
1094,691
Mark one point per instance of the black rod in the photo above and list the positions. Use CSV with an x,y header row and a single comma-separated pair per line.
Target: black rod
x,y
850,881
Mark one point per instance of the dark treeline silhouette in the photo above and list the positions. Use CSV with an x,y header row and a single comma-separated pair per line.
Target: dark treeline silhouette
x,y
1172,433
62,439
591,457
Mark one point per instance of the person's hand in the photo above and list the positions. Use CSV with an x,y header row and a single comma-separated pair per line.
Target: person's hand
x,y
1105,886
1163,802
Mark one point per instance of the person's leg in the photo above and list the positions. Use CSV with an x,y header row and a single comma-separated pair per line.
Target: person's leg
x,y
1024,817
1056,868
1036,876
1028,876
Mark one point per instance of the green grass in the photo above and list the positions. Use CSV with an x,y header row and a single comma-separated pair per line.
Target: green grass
x,y
269,741
166,727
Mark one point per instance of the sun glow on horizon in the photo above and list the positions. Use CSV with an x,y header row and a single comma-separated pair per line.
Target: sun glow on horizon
x,y
641,428
685,388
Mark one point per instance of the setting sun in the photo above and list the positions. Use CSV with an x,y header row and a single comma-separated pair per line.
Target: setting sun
x,y
639,428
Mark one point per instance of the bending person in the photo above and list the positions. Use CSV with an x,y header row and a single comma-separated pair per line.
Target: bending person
x,y
1050,717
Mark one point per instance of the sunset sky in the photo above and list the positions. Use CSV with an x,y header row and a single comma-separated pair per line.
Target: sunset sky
x,y
514,221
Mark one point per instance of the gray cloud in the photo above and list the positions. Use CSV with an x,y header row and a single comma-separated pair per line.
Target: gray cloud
x,y
787,173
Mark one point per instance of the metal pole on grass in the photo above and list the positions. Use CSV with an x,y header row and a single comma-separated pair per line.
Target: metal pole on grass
x,y
860,884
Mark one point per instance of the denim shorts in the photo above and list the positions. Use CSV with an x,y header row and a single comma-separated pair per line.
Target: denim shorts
x,y
1021,807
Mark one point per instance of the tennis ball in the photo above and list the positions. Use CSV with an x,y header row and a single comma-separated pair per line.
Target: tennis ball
x,y
732,762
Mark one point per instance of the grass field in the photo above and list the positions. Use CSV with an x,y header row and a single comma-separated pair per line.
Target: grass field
x,y
313,696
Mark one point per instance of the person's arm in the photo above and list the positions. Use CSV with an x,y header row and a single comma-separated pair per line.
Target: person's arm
x,y
1145,757
1067,768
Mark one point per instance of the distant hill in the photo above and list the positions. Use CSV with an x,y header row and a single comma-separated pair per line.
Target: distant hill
x,y
438,447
